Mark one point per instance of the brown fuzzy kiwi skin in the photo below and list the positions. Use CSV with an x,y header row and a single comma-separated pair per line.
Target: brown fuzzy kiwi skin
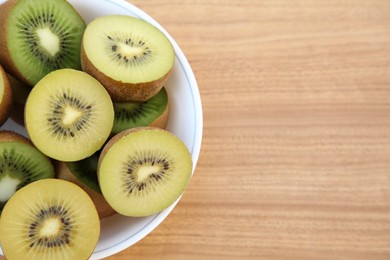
x,y
17,113
122,91
8,136
5,55
7,101
20,93
103,208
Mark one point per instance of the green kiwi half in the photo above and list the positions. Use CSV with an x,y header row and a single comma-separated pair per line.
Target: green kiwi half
x,y
20,164
37,37
129,56
84,174
143,171
69,115
49,219
153,112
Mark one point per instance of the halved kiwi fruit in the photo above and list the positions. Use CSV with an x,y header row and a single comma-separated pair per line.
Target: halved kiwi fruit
x,y
5,96
84,174
49,219
69,115
37,37
143,171
20,164
153,112
129,56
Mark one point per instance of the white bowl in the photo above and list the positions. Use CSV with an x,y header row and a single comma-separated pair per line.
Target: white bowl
x,y
185,121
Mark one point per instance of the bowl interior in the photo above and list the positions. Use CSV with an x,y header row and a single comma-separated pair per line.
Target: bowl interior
x,y
185,121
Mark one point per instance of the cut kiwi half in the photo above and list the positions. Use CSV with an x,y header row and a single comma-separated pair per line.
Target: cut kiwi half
x,y
142,171
49,219
129,56
37,37
69,115
6,98
20,164
84,174
153,112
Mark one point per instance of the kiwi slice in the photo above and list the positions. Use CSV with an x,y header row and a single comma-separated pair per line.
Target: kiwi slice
x,y
5,96
20,164
84,174
49,219
143,171
69,115
153,112
132,58
37,37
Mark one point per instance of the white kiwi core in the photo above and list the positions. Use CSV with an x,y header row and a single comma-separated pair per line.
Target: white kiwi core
x,y
8,187
49,41
50,227
71,115
145,171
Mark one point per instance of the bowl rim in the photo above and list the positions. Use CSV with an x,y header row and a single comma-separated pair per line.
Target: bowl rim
x,y
197,139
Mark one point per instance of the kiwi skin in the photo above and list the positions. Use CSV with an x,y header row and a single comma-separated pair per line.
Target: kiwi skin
x,y
121,91
6,103
8,136
20,93
5,56
103,208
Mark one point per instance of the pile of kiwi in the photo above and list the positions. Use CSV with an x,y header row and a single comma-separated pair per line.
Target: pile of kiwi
x,y
92,100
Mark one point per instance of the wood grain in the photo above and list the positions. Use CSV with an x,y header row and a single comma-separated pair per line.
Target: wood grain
x,y
295,162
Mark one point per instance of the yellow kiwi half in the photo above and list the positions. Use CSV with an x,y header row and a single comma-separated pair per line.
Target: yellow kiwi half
x,y
69,115
49,219
143,170
129,56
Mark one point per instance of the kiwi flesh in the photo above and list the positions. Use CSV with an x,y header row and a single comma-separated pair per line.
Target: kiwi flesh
x,y
143,170
153,112
6,98
69,115
20,164
84,174
37,37
49,219
129,56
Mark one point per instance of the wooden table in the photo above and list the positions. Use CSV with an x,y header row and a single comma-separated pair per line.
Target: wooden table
x,y
295,162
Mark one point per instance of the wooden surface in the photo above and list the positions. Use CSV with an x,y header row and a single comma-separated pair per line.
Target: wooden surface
x,y
295,162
